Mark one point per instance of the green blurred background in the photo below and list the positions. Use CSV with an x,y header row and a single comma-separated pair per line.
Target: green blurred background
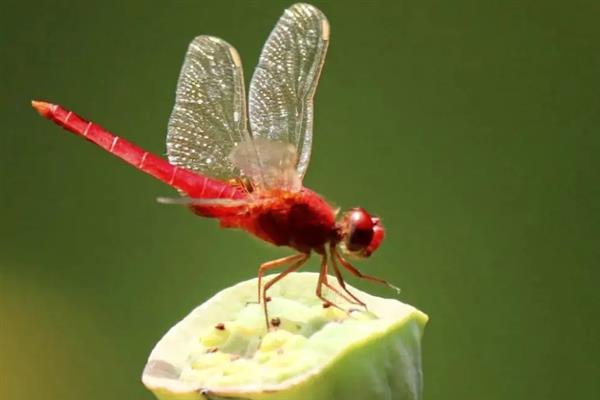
x,y
471,127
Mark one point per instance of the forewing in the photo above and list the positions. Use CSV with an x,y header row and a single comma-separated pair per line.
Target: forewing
x,y
284,82
209,118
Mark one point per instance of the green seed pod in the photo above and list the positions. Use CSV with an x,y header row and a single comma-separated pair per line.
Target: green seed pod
x,y
223,350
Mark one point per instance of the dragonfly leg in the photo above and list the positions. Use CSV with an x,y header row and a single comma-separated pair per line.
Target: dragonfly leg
x,y
324,281
280,262
340,279
354,271
298,260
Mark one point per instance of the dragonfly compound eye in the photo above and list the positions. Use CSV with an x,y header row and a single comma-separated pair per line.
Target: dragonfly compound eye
x,y
378,235
359,225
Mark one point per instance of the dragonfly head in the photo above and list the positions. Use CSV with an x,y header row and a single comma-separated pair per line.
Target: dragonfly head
x,y
361,234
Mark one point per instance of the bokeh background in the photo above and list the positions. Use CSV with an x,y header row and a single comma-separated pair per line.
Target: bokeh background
x,y
471,127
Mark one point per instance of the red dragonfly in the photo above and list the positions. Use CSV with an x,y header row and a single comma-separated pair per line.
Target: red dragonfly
x,y
251,178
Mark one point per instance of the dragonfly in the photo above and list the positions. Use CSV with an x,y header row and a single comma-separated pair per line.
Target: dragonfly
x,y
244,165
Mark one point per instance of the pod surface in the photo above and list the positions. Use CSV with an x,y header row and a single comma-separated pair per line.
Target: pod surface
x,y
222,349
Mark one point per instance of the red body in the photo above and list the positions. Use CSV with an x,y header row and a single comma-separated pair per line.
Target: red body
x,y
301,220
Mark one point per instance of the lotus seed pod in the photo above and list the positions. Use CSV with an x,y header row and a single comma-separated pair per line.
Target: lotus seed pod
x,y
312,351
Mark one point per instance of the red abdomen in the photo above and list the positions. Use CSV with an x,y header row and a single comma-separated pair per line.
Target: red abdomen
x,y
302,220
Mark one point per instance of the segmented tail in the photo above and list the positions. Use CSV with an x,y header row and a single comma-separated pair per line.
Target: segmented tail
x,y
191,183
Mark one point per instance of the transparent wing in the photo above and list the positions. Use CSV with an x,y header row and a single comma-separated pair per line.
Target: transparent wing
x,y
284,82
209,118
276,168
190,201
210,207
